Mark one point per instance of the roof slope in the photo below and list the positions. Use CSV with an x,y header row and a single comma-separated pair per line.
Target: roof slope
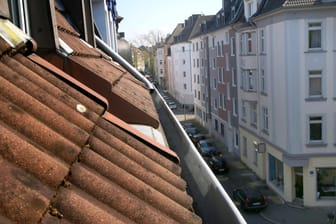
x,y
128,98
63,160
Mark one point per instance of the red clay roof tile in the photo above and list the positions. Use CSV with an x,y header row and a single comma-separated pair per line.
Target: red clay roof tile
x,y
110,79
61,163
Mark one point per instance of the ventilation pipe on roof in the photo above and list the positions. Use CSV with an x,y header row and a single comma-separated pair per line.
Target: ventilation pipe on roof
x,y
116,57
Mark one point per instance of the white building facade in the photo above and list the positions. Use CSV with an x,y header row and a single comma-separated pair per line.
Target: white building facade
x,y
181,58
287,101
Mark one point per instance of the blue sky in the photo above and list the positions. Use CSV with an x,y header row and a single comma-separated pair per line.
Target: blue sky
x,y
140,17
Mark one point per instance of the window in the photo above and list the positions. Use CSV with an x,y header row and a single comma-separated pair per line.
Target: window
x,y
198,79
197,63
250,9
315,84
244,146
193,46
214,63
232,46
248,43
236,138
194,78
243,110
184,74
195,93
228,91
160,62
185,86
183,49
213,42
326,183
161,71
196,46
262,81
315,35
218,49
183,61
216,125
199,95
215,83
248,80
265,119
234,107
215,103
276,172
220,75
226,38
234,77
223,50
254,115
316,129
262,41
221,101
194,62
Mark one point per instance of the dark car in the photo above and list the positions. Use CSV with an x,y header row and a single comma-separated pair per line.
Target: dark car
x,y
206,148
197,137
191,131
250,199
217,163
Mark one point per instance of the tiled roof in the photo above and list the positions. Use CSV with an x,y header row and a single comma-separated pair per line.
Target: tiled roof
x,y
296,3
64,159
128,98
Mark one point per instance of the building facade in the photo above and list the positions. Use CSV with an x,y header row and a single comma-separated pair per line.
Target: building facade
x,y
287,91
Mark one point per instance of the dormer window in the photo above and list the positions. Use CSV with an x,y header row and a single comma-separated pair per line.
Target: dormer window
x,y
250,8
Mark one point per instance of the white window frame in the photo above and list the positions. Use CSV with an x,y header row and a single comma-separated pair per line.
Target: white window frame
x,y
254,114
263,85
232,46
262,41
314,26
234,77
265,119
310,122
243,106
315,74
234,107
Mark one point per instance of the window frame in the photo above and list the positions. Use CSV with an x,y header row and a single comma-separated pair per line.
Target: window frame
x,y
322,121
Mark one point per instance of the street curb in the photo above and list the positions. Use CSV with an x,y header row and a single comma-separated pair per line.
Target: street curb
x,y
295,206
268,219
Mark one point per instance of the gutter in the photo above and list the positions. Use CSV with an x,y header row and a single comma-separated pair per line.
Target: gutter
x,y
117,58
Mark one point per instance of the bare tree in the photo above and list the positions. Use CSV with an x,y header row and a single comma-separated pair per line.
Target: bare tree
x,y
150,39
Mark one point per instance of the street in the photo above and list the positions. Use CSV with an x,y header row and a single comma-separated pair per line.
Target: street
x,y
278,211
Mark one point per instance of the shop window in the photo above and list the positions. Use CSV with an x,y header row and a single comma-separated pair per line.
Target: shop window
x,y
326,183
276,172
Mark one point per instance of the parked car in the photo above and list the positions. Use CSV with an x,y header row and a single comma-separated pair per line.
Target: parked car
x,y
206,148
197,137
172,105
188,125
191,131
250,199
217,163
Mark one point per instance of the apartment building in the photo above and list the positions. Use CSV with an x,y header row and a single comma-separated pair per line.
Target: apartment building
x,y
215,77
287,97
181,59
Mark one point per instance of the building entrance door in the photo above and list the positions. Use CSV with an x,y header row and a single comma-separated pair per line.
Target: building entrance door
x,y
298,182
